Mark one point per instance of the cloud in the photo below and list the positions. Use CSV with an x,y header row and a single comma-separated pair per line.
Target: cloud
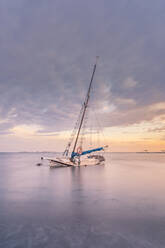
x,y
125,101
157,129
5,132
163,138
158,106
47,53
132,116
25,130
3,121
129,83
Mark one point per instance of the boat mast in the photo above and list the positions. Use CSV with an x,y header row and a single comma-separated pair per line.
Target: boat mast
x,y
85,105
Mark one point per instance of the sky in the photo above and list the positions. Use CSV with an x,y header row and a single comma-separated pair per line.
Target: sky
x,y
47,52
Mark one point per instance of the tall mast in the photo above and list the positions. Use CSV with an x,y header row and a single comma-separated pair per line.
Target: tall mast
x,y
85,105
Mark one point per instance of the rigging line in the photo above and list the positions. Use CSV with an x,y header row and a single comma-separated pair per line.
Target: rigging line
x,y
90,134
99,125
85,106
66,151
83,129
98,137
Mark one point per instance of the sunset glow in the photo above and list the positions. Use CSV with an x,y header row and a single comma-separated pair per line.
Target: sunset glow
x,y
46,65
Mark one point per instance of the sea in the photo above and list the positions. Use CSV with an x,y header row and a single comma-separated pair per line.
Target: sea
x,y
118,205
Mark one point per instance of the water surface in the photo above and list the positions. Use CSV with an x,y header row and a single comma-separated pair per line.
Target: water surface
x,y
119,205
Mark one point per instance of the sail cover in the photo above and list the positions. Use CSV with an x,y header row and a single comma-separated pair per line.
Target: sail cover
x,y
87,152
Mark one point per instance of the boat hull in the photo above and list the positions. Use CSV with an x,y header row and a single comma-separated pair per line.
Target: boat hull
x,y
66,162
57,164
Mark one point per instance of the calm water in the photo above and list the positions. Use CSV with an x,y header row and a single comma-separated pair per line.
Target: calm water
x,y
120,205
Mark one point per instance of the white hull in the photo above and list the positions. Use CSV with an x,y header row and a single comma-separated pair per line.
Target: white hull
x,y
65,162
59,162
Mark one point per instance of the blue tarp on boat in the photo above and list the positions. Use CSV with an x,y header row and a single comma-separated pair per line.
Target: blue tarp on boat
x,y
86,152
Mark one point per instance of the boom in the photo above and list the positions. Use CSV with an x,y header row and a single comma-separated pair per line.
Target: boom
x,y
87,152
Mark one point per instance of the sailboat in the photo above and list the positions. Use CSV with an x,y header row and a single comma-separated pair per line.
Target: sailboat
x,y
78,156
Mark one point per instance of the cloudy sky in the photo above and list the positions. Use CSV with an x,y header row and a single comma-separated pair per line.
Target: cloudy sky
x,y
47,51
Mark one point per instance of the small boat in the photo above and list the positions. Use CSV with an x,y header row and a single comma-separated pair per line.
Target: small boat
x,y
39,164
78,156
68,161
